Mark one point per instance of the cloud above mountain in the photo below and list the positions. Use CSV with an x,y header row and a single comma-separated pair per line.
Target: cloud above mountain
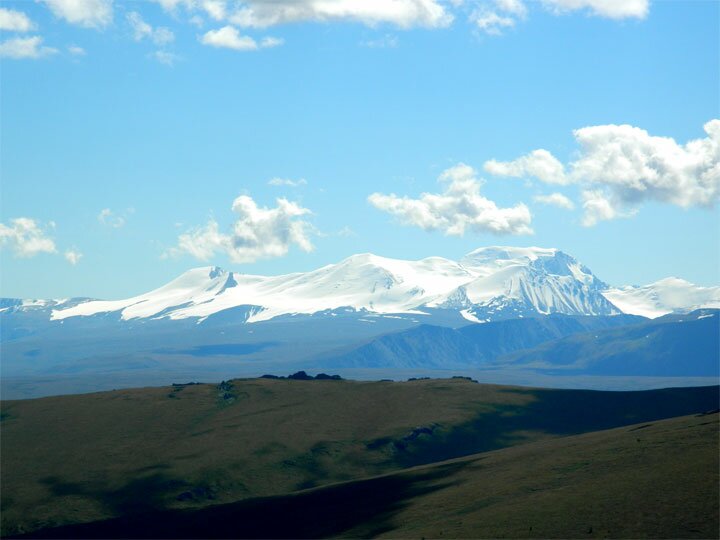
x,y
539,163
26,237
460,208
257,233
622,166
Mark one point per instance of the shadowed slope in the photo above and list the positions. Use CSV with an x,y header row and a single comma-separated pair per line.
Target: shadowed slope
x,y
650,480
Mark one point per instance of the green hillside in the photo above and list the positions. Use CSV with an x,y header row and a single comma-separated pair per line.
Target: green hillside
x,y
657,480
81,458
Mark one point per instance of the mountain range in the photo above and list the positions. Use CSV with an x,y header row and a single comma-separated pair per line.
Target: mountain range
x,y
445,313
672,345
489,283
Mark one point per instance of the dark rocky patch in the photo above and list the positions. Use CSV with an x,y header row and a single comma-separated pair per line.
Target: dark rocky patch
x,y
303,376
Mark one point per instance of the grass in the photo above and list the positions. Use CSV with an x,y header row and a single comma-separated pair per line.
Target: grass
x,y
661,482
83,458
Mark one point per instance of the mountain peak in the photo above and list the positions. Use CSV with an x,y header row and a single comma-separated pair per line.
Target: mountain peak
x,y
362,258
499,253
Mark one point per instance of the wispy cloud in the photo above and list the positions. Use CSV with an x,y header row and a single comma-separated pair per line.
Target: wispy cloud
x,y
164,57
142,30
609,9
73,256
25,47
388,41
494,17
15,21
401,13
113,219
287,182
539,163
88,13
555,199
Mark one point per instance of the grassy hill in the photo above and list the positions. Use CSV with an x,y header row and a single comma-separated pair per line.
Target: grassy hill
x,y
82,458
657,480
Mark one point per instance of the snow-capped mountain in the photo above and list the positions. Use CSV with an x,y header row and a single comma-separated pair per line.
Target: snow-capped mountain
x,y
512,282
662,297
487,284
210,321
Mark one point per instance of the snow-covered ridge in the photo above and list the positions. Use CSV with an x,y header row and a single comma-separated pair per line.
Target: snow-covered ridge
x,y
486,284
662,297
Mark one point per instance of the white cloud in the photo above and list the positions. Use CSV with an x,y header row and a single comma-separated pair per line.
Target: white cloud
x,y
346,232
87,13
493,18
111,219
287,182
26,237
458,209
269,42
401,13
15,21
598,207
610,9
538,163
201,243
555,199
30,47
217,9
197,20
73,256
637,166
172,5
491,22
388,41
164,57
229,37
76,51
623,166
141,30
514,7
258,233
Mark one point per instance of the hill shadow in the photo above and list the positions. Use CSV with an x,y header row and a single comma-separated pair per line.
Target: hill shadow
x,y
554,412
324,512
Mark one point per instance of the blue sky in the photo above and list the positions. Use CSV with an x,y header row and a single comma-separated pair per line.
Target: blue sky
x,y
131,129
